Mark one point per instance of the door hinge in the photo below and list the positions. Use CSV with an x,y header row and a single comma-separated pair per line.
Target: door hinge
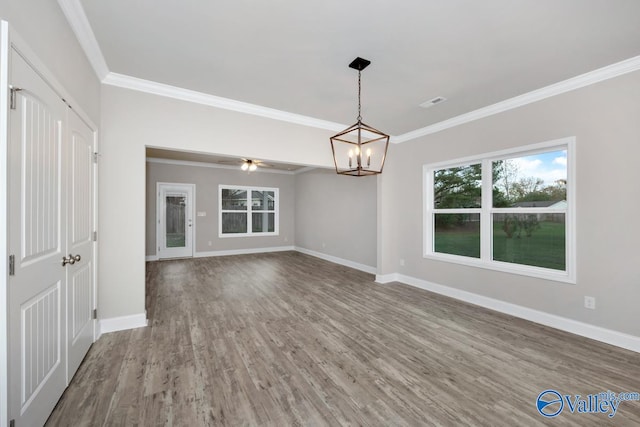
x,y
12,101
95,313
95,157
95,236
12,265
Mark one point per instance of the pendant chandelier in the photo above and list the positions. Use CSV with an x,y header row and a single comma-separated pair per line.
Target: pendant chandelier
x,y
359,150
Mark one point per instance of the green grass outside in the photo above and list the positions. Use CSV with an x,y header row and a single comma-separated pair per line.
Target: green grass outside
x,y
459,241
545,248
175,240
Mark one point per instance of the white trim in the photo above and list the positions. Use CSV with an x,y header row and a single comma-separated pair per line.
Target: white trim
x,y
123,323
577,82
336,260
216,166
4,243
152,258
243,251
386,278
160,89
608,336
305,169
96,227
536,148
79,23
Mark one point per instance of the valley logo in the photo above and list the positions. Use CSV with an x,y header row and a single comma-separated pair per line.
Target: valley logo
x,y
550,403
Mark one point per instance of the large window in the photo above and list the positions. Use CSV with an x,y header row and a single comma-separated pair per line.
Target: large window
x,y
247,211
510,210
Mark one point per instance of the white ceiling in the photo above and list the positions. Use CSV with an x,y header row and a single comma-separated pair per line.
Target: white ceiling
x,y
293,55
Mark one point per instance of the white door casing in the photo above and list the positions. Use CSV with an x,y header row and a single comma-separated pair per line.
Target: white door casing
x,y
37,230
174,220
4,238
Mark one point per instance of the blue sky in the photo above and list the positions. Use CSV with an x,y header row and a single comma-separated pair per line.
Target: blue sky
x,y
549,166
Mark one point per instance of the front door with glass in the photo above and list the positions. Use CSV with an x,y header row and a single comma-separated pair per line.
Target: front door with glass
x,y
175,220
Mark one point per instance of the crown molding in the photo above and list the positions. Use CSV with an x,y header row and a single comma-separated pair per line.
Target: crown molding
x,y
134,83
586,79
305,169
215,166
79,23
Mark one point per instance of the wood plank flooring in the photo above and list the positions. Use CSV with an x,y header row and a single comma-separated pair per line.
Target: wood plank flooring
x,y
287,339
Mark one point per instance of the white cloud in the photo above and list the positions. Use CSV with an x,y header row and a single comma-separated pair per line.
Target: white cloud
x,y
560,161
527,167
547,170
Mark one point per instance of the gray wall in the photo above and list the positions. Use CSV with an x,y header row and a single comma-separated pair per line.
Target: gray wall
x,y
206,180
336,215
605,119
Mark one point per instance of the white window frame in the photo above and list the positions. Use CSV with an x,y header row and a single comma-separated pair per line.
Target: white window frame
x,y
249,211
487,210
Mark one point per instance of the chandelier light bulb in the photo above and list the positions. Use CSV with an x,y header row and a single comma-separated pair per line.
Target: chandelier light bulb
x,y
252,167
244,166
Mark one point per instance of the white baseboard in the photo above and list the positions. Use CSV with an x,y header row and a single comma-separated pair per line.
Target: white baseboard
x,y
608,336
341,261
387,278
122,323
230,252
243,251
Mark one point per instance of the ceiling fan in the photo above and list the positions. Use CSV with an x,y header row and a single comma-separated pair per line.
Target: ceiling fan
x,y
248,164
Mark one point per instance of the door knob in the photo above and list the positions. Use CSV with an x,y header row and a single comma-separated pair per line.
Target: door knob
x,y
70,259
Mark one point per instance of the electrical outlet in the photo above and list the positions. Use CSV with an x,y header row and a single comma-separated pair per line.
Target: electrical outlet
x,y
401,263
590,302
209,242
323,245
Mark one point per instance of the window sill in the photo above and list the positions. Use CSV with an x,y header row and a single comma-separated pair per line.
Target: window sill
x,y
225,236
522,270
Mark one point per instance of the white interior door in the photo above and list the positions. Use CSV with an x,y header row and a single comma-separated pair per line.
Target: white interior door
x,y
37,230
80,300
175,220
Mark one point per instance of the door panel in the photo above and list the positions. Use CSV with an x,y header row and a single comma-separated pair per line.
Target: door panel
x,y
37,306
40,320
40,179
81,182
80,242
81,303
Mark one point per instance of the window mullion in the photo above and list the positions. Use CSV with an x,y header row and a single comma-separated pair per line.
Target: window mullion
x,y
249,215
485,215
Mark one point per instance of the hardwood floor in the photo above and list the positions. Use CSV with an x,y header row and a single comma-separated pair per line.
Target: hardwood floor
x,y
287,339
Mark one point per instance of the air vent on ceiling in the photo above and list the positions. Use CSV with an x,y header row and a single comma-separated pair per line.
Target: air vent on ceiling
x,y
434,101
